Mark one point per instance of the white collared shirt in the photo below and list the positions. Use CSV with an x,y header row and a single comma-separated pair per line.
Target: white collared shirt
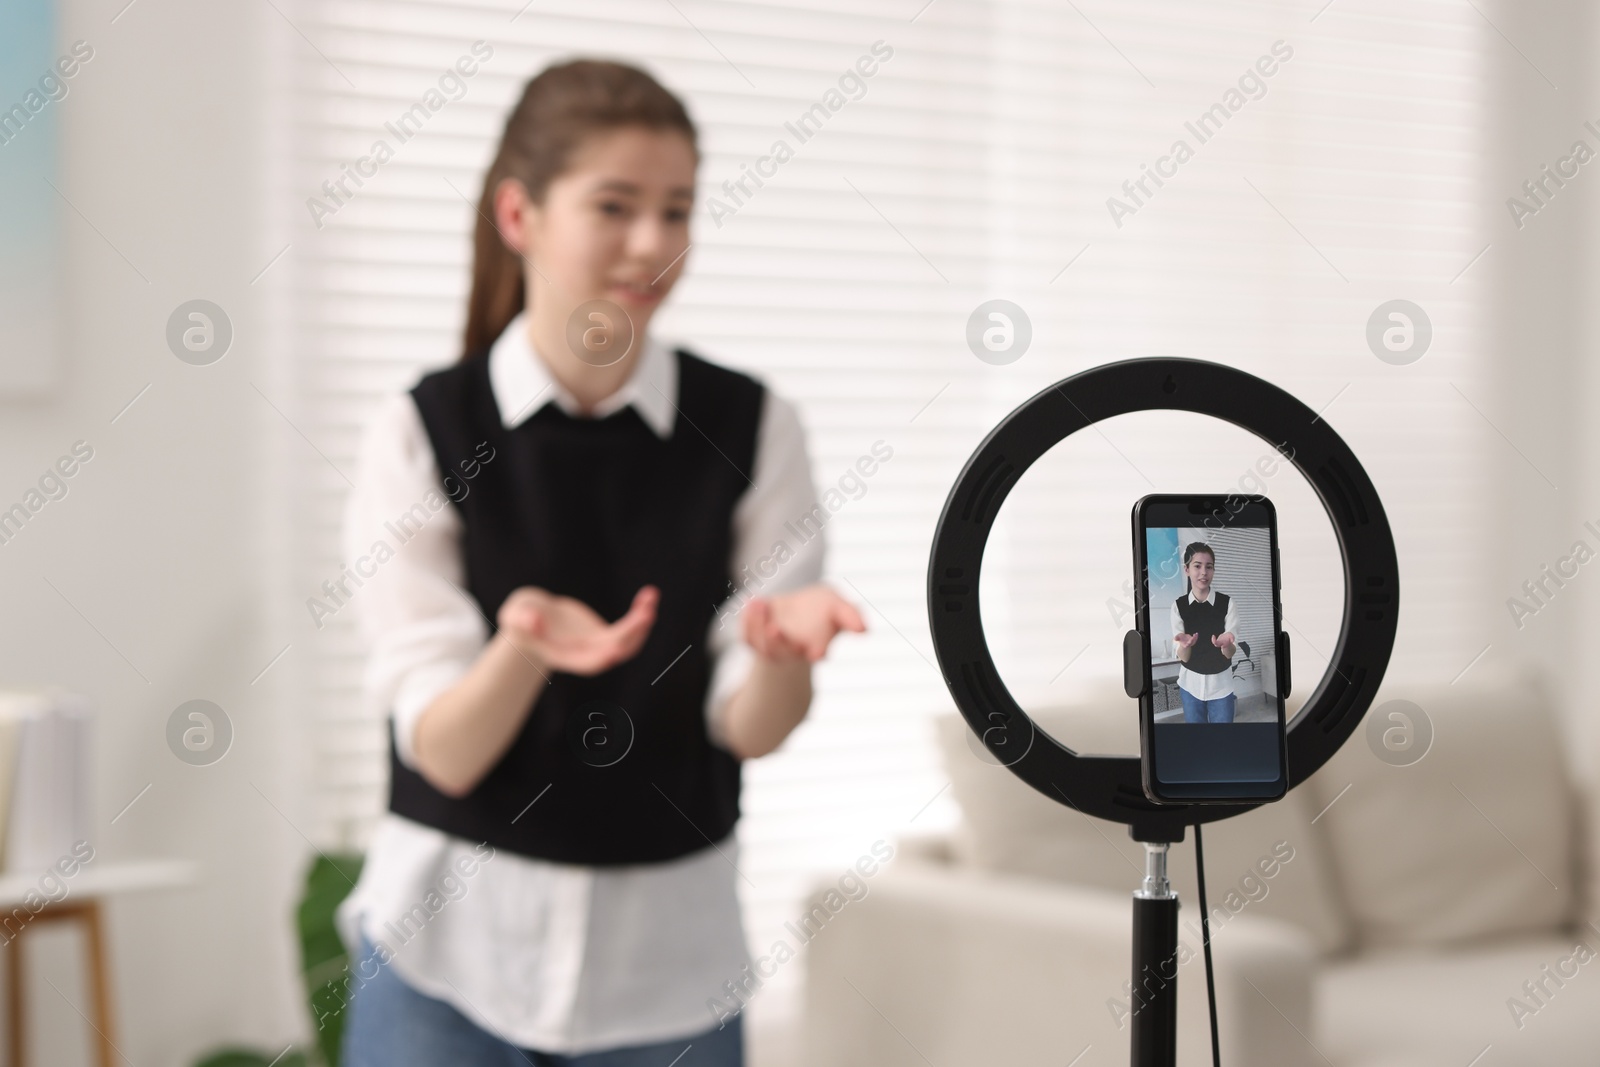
x,y
522,383
555,957
1205,686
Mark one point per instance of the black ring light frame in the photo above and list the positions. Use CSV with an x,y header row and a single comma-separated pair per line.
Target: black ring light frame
x,y
1109,786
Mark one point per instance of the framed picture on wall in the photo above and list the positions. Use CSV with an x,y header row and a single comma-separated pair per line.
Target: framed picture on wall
x,y
32,86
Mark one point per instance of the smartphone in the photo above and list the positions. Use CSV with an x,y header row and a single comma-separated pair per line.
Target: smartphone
x,y
1209,658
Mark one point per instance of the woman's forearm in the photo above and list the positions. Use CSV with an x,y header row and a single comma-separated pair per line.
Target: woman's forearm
x,y
464,732
767,708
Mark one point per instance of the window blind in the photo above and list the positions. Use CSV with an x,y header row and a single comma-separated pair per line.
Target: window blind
x,y
998,151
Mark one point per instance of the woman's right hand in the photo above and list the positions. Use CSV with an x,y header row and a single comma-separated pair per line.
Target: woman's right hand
x,y
563,634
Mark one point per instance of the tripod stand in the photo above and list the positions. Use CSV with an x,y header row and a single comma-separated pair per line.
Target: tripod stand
x,y
1111,787
1153,993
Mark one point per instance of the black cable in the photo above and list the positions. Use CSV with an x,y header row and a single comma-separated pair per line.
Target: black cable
x,y
1205,936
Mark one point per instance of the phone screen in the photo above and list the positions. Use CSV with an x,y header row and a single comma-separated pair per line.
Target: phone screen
x,y
1213,714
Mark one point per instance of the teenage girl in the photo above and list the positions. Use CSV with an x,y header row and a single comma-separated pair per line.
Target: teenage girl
x,y
554,882
1204,624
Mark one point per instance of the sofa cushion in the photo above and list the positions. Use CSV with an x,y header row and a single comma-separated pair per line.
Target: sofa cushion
x,y
1272,860
1586,812
1475,839
1434,1008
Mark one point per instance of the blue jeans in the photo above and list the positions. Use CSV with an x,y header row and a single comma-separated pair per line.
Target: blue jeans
x,y
1197,710
389,1024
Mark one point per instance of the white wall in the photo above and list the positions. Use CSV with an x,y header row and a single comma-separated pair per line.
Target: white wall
x,y
164,543
1546,379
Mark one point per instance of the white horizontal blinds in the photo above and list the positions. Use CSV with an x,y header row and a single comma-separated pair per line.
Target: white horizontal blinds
x,y
1353,179
845,280
974,164
381,281
1244,573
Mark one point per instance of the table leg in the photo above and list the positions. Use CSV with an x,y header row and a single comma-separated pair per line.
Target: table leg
x,y
87,912
15,1014
99,982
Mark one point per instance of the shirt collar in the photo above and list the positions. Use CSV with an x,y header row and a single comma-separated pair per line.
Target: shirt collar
x,y
522,383
1211,596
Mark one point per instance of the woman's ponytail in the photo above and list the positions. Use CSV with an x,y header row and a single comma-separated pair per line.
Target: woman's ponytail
x,y
498,292
559,108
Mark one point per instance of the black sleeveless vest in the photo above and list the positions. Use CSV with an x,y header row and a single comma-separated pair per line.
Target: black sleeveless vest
x,y
1207,620
615,768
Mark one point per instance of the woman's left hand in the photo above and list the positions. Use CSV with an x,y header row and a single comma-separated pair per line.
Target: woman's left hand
x,y
799,625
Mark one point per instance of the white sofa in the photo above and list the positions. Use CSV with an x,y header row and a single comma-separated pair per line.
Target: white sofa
x,y
1408,907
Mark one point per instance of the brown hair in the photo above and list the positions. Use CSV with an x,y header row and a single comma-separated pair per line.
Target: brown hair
x,y
559,108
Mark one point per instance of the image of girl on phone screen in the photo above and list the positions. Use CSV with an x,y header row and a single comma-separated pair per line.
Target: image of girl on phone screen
x,y
562,533
1204,625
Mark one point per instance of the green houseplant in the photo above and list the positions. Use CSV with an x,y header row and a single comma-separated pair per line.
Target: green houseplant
x,y
324,966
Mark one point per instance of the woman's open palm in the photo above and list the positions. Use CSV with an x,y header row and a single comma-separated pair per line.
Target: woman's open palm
x,y
563,634
799,625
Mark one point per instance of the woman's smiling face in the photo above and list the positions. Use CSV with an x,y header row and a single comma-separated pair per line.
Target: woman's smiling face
x,y
614,224
1200,568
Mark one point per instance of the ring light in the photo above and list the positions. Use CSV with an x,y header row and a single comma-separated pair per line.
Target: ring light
x,y
1109,786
